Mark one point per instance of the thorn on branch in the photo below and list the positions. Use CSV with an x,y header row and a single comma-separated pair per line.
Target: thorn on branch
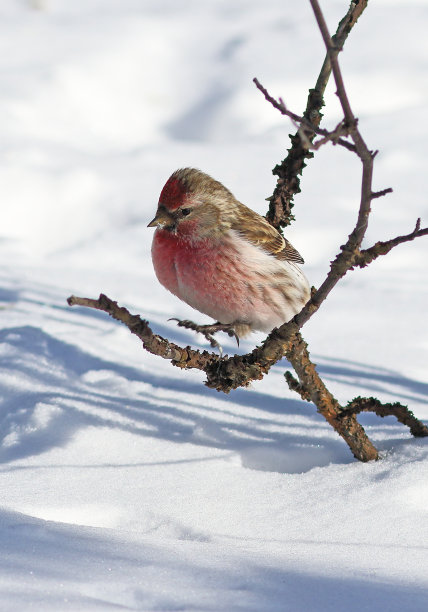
x,y
380,194
295,385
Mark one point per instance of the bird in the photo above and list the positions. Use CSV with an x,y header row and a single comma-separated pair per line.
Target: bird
x,y
224,259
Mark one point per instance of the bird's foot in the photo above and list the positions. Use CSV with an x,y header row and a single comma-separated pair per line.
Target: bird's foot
x,y
209,330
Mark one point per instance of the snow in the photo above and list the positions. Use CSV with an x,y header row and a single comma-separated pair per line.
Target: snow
x,y
126,483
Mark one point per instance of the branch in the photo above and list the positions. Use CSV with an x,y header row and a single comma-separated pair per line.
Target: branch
x,y
179,356
295,385
289,170
380,194
362,150
332,53
401,413
223,374
366,256
350,252
305,126
227,373
312,388
344,28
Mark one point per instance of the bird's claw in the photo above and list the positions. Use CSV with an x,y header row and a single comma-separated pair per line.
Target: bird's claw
x,y
209,330
232,333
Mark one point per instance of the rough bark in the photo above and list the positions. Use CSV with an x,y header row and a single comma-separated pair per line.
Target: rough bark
x,y
291,167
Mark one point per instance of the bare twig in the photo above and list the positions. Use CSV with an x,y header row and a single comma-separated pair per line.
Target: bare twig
x,y
362,150
399,411
350,252
279,105
366,256
306,130
332,53
297,386
345,26
179,356
289,170
335,137
381,193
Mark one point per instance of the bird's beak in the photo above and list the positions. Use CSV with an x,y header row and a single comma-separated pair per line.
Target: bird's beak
x,y
163,219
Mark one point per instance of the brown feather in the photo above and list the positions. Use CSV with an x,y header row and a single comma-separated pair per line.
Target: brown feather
x,y
254,228
234,215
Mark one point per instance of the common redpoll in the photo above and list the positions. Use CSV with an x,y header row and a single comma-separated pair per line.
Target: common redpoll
x,y
224,259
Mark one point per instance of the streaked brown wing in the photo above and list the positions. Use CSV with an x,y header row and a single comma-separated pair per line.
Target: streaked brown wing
x,y
290,253
258,231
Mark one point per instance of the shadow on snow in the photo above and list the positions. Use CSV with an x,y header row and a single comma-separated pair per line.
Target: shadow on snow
x,y
51,389
59,557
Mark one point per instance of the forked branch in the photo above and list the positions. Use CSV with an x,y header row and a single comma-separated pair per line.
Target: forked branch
x,y
366,256
227,373
306,130
289,170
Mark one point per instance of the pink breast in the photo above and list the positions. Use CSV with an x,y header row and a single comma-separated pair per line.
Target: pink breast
x,y
201,274
164,250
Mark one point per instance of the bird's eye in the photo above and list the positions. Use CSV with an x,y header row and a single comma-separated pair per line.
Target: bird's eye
x,y
186,211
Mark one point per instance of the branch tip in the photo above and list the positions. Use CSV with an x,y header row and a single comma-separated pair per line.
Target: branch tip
x,y
381,193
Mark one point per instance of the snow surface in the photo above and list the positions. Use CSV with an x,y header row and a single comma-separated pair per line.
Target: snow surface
x,y
125,483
